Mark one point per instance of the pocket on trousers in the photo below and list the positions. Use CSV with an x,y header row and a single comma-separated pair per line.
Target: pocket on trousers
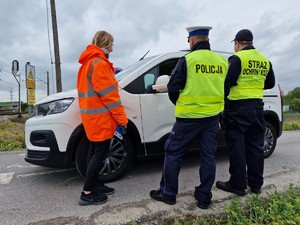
x,y
172,139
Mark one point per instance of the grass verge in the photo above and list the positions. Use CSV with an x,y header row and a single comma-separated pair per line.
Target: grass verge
x,y
291,121
276,209
12,133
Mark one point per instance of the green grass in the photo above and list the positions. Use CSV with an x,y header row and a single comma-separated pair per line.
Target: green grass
x,y
275,209
12,133
9,146
291,121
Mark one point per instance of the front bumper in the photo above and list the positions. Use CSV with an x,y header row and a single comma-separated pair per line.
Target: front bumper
x,y
49,158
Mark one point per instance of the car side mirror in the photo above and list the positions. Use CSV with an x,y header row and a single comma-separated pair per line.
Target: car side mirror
x,y
161,84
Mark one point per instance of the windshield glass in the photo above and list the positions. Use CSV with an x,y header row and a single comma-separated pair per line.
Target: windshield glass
x,y
128,70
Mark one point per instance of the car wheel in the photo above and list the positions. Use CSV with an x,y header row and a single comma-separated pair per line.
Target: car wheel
x,y
270,140
117,163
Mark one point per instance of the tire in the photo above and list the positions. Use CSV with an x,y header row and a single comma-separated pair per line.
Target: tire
x,y
270,140
119,160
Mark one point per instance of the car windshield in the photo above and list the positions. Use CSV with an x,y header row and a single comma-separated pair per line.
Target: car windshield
x,y
128,70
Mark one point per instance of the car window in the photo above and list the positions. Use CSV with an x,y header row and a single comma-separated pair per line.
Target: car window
x,y
166,67
131,68
149,79
142,84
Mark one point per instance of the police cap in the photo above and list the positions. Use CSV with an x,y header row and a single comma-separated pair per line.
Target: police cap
x,y
198,30
243,35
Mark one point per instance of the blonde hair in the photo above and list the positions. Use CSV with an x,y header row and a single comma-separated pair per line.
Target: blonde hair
x,y
103,39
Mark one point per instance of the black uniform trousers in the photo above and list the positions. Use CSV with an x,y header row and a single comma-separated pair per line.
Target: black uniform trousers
x,y
245,140
98,152
180,138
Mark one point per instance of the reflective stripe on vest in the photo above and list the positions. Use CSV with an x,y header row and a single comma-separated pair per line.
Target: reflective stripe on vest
x,y
92,93
203,94
254,69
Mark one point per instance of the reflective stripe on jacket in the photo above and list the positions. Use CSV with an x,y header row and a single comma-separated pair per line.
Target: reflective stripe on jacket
x,y
98,96
203,94
250,84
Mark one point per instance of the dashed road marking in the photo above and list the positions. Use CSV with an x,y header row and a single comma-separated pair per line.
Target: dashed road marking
x,y
21,166
44,173
5,178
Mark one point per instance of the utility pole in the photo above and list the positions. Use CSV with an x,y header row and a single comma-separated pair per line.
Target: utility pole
x,y
56,47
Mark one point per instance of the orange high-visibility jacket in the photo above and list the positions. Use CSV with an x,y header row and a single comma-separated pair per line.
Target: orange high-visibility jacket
x,y
98,96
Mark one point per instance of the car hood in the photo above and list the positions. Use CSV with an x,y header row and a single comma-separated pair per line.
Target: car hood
x,y
61,95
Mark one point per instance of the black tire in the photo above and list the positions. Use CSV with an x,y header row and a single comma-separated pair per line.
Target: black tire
x,y
270,140
116,164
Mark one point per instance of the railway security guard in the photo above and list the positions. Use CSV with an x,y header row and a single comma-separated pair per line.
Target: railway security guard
x,y
101,112
249,74
196,88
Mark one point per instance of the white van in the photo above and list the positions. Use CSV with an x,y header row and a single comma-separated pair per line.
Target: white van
x,y
55,137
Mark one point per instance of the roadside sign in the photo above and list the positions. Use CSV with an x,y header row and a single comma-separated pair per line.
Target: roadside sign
x,y
30,83
30,96
30,76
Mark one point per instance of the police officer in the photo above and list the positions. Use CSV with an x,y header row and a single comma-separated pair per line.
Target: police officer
x,y
196,88
249,74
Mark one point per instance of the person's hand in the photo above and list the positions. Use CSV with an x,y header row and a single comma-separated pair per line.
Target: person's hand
x,y
123,129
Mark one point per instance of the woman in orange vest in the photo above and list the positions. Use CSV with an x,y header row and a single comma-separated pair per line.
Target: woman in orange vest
x,y
101,112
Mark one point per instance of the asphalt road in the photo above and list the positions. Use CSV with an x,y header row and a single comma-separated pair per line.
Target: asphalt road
x,y
37,195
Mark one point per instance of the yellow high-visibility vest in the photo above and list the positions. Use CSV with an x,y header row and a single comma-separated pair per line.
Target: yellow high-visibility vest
x,y
250,83
203,94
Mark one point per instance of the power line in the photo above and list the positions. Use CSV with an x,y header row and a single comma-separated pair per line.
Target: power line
x,y
4,63
4,81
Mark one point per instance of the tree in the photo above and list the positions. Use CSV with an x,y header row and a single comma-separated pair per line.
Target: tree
x,y
295,104
291,95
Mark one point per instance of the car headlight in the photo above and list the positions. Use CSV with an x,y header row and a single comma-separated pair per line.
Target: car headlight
x,y
50,108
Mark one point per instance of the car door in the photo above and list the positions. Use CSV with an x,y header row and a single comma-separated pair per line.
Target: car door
x,y
157,110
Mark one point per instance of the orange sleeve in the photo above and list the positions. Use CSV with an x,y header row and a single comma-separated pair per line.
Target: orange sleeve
x,y
105,84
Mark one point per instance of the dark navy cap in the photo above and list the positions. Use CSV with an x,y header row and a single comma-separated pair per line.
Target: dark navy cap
x,y
243,35
198,30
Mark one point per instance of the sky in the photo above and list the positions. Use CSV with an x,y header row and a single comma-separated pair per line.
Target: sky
x,y
138,26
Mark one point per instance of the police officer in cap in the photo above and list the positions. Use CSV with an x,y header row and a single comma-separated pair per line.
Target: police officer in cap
x,y
196,88
249,74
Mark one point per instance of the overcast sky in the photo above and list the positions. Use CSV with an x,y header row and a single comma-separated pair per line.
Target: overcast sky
x,y
139,26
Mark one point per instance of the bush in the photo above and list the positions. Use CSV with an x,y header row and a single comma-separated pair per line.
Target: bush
x,y
295,105
291,126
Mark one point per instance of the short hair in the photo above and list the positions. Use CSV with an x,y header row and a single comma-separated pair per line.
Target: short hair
x,y
201,37
246,42
103,39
